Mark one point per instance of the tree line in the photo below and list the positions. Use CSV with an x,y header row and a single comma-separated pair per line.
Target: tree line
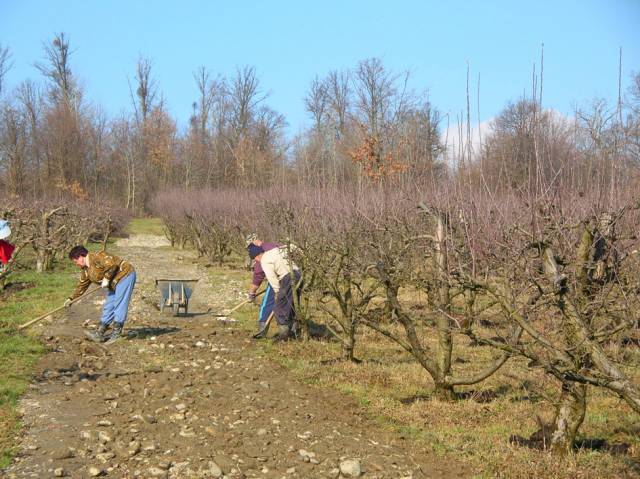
x,y
367,126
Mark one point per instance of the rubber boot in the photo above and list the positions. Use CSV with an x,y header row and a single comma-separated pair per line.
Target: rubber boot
x,y
98,336
263,329
284,333
116,332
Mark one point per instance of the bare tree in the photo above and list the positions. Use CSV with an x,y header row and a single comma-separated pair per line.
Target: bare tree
x,y
199,149
207,89
245,96
57,70
146,89
316,102
30,101
5,64
13,151
568,282
417,142
374,88
339,95
632,126
333,256
398,248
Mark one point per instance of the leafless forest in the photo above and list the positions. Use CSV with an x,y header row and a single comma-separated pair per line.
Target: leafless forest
x,y
524,244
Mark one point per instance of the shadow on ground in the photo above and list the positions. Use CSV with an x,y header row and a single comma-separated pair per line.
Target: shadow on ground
x,y
541,440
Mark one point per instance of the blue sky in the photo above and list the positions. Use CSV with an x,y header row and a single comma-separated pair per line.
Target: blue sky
x,y
289,42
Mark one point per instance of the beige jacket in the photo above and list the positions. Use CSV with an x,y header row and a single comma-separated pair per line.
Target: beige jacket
x,y
276,265
101,265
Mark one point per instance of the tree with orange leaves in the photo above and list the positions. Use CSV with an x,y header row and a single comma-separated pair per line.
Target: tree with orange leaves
x,y
375,165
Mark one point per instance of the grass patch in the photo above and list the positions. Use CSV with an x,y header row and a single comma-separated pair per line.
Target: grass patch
x,y
19,351
147,226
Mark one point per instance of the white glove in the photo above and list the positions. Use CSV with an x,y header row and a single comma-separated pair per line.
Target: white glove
x,y
67,302
105,283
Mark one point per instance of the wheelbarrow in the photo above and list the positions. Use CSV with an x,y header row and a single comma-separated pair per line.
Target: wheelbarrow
x,y
175,294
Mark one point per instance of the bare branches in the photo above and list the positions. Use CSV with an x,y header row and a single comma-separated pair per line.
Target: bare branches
x,y
57,69
146,89
316,102
5,64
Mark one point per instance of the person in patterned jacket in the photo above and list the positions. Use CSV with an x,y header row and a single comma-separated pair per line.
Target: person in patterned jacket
x,y
117,277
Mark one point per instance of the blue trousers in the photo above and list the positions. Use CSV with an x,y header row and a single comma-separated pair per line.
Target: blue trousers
x,y
116,305
266,307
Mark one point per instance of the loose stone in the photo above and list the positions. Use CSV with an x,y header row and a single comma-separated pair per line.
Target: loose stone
x,y
350,468
95,472
214,470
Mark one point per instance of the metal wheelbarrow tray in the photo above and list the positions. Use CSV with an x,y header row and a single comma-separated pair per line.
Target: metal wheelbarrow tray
x,y
175,294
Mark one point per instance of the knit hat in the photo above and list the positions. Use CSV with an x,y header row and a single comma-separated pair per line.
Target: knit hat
x,y
254,250
250,238
5,231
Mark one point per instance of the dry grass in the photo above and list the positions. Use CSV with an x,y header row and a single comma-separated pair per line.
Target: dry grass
x,y
396,391
150,226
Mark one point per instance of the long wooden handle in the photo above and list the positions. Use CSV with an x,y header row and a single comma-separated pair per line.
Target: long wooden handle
x,y
238,306
40,318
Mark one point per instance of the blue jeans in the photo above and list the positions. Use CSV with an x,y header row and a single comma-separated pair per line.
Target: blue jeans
x,y
266,307
116,305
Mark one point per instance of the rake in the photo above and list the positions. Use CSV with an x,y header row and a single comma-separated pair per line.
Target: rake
x,y
40,318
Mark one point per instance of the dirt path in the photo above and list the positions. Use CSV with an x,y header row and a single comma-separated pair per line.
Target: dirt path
x,y
191,397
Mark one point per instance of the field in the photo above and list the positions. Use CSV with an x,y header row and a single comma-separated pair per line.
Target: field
x,y
473,434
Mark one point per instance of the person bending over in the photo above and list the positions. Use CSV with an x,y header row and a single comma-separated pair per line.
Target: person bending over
x,y
283,276
268,300
117,277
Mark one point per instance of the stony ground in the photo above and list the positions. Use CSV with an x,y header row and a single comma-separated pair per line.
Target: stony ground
x,y
183,397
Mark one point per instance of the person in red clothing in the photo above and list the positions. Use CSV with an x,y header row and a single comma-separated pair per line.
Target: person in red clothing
x,y
6,248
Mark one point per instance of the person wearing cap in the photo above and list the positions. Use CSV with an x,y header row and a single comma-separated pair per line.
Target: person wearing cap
x,y
283,276
6,248
117,277
268,300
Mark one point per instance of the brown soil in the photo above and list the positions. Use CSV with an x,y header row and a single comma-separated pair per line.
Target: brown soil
x,y
191,397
